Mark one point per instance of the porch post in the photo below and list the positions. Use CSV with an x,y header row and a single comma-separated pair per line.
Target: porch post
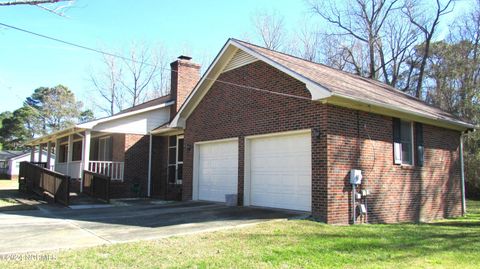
x,y
57,152
49,154
40,153
32,154
86,154
69,153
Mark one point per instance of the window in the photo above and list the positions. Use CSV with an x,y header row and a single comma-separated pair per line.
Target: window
x,y
403,142
77,151
104,149
63,154
406,139
175,159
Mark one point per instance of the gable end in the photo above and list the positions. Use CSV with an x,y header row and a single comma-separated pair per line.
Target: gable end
x,y
240,58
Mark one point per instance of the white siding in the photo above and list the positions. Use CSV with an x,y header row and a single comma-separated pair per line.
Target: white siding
x,y
136,124
14,164
241,58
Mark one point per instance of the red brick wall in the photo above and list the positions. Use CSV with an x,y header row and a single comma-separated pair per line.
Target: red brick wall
x,y
136,148
360,140
229,111
159,166
118,149
184,76
398,193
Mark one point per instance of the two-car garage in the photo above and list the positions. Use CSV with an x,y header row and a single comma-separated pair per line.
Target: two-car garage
x,y
277,170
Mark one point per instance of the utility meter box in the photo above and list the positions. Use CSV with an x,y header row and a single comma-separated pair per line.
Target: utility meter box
x,y
356,176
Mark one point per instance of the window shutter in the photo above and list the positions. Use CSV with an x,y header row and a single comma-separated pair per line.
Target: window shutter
x,y
419,143
397,144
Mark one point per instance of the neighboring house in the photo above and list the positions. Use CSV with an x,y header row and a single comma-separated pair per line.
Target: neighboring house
x,y
14,162
280,132
4,156
10,162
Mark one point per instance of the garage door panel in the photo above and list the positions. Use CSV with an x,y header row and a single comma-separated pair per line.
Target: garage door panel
x,y
217,170
280,171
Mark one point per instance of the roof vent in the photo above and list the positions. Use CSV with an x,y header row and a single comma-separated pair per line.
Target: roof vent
x,y
184,57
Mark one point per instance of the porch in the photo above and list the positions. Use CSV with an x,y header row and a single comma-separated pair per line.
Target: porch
x,y
85,150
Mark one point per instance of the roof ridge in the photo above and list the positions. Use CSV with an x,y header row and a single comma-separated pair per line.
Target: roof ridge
x,y
151,100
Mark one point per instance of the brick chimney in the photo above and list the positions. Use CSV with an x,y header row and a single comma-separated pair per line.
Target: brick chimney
x,y
184,76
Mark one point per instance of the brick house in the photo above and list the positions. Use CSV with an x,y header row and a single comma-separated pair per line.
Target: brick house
x,y
281,132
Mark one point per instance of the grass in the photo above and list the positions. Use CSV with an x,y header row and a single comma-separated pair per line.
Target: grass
x,y
453,243
6,184
10,199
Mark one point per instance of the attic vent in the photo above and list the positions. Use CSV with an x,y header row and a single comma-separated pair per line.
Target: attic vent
x,y
240,58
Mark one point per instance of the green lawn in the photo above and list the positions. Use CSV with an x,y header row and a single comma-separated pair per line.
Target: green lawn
x,y
8,184
451,243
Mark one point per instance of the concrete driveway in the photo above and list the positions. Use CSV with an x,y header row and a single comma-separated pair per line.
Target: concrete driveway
x,y
53,228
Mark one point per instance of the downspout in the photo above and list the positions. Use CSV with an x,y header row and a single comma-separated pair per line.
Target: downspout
x,y
149,166
462,173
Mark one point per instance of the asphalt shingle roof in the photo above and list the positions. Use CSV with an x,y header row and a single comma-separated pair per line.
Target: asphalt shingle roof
x,y
352,86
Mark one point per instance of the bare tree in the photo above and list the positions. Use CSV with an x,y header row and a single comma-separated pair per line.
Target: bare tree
x,y
143,73
307,42
361,20
57,7
129,81
107,84
270,28
395,49
427,25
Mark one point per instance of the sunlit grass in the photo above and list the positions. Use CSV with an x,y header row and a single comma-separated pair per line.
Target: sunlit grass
x,y
451,243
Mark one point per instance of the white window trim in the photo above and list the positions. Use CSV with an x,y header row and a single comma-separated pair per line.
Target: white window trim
x,y
177,181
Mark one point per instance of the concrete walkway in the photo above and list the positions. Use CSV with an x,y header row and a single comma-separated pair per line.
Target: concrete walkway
x,y
52,228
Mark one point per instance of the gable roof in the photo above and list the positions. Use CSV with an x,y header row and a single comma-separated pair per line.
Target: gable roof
x,y
325,84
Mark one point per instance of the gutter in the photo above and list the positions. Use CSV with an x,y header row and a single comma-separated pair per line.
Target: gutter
x,y
461,124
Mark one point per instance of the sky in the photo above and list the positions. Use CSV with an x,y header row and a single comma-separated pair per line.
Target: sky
x,y
188,27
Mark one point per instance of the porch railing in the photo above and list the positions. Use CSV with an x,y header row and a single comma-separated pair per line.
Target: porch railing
x,y
114,170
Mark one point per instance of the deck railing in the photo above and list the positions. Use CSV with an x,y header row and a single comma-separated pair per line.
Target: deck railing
x,y
96,185
114,170
34,178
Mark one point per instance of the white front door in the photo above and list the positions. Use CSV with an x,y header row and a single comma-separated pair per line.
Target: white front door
x,y
217,170
281,171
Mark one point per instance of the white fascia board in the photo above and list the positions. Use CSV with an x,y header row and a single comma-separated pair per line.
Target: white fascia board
x,y
406,111
54,135
91,124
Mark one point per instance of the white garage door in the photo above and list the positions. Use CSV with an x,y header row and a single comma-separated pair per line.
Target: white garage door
x,y
217,170
281,171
